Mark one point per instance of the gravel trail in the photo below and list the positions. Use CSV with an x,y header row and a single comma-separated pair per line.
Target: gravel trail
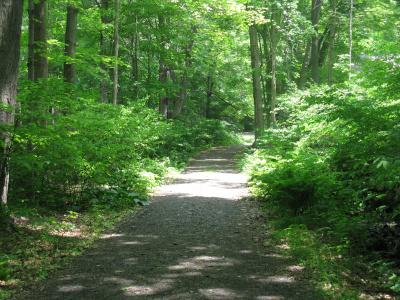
x,y
198,239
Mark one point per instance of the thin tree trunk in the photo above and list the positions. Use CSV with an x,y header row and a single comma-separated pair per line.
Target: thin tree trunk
x,y
304,67
135,60
332,38
41,64
185,80
31,37
315,16
273,50
116,52
10,32
210,88
263,76
267,66
149,63
70,44
351,39
182,98
323,44
163,70
256,74
104,51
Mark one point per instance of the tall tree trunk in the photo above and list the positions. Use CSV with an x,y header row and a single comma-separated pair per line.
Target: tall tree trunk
x,y
116,52
70,44
351,39
263,76
179,103
41,64
163,77
210,91
304,67
163,70
256,74
315,16
332,38
31,40
267,66
10,31
273,49
104,51
135,59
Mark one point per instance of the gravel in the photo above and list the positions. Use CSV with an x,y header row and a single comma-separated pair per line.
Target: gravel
x,y
198,239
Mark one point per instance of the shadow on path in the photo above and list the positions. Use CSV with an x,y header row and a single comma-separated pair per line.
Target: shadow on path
x,y
195,241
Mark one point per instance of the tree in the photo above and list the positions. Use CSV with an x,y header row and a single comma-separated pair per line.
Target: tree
x,y
10,31
116,52
332,37
41,65
256,74
163,69
104,49
209,93
315,46
70,44
31,41
274,39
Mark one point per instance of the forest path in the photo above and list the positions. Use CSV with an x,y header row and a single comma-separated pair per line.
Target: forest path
x,y
196,240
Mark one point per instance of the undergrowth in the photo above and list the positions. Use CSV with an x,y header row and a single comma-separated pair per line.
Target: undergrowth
x,y
329,173
46,241
78,177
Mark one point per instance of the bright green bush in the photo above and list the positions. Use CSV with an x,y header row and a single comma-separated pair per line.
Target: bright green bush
x,y
298,183
330,174
335,159
69,158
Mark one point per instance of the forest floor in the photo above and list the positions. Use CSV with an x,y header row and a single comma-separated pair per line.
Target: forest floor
x,y
200,238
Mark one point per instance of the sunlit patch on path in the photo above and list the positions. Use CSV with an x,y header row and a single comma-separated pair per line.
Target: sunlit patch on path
x,y
197,240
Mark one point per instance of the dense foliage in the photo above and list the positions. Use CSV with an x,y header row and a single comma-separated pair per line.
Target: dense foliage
x,y
164,63
97,146
329,169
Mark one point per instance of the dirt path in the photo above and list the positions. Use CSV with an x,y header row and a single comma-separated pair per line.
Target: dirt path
x,y
195,241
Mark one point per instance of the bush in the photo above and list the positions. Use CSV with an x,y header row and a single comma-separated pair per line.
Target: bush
x,y
59,160
335,159
299,183
330,177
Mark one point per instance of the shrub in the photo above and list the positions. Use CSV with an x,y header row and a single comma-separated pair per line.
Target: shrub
x,y
58,160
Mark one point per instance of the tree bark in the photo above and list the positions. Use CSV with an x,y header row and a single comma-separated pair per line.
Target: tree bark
x,y
256,74
163,70
135,60
332,39
210,88
183,95
70,44
304,67
273,50
351,39
31,41
41,64
265,34
104,51
315,16
116,52
10,32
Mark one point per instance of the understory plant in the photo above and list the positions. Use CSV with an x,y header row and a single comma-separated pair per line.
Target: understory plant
x,y
333,166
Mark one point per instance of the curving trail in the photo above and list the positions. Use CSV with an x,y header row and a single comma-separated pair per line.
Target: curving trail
x,y
196,240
